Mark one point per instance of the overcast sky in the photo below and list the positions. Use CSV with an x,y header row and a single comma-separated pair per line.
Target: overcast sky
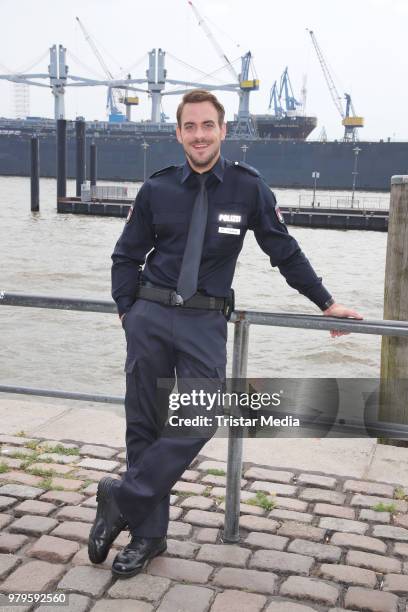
x,y
364,42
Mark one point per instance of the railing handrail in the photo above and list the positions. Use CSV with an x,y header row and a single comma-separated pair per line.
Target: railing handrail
x,y
254,317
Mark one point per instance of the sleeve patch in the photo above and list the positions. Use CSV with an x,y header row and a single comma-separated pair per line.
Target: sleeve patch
x,y
129,214
279,214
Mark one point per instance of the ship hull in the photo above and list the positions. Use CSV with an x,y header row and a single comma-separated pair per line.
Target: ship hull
x,y
283,163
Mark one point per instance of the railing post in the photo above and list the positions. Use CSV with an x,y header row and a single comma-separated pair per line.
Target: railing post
x,y
394,350
234,465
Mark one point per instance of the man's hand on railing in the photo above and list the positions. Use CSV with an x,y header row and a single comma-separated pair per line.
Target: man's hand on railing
x,y
338,310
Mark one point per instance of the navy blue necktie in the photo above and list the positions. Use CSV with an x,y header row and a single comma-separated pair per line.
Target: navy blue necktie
x,y
188,278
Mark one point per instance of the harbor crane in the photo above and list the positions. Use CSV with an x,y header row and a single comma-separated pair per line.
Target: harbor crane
x,y
275,100
213,41
59,79
57,75
286,87
285,92
113,97
245,126
350,120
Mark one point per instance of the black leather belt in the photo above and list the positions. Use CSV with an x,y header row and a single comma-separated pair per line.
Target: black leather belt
x,y
170,297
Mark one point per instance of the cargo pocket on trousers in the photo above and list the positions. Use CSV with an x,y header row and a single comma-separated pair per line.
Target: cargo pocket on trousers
x,y
130,363
219,404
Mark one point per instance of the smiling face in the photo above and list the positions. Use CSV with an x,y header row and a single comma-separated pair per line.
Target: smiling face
x,y
200,134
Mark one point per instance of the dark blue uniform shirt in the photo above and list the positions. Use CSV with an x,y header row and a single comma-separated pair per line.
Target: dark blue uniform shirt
x,y
238,200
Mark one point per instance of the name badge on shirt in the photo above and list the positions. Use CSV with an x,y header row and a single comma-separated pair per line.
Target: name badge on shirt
x,y
229,230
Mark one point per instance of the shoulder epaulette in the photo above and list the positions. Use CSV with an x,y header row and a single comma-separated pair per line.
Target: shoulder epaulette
x,y
162,171
247,167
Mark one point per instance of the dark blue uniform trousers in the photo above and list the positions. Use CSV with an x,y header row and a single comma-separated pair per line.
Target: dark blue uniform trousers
x,y
164,342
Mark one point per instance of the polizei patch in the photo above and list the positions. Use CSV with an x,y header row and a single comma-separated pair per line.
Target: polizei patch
x,y
279,214
224,218
129,214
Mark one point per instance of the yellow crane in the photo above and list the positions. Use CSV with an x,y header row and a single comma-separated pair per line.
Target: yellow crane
x,y
350,120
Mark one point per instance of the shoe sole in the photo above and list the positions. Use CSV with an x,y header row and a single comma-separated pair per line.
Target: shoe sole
x,y
100,498
139,569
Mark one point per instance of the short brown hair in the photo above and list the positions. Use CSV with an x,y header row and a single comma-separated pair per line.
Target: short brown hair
x,y
200,95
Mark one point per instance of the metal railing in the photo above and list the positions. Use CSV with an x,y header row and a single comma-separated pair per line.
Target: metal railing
x,y
108,192
241,321
323,200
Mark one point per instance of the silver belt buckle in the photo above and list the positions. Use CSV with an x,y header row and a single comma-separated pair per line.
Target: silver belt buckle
x,y
176,299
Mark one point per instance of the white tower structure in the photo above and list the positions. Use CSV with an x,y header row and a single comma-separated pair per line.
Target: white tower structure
x,y
21,93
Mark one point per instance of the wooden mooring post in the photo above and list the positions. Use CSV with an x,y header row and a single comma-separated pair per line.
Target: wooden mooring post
x,y
80,133
61,158
35,174
93,165
394,350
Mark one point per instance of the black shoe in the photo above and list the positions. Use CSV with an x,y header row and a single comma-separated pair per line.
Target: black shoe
x,y
108,524
132,559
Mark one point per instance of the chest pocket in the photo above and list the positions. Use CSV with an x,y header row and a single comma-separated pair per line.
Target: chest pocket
x,y
226,228
170,225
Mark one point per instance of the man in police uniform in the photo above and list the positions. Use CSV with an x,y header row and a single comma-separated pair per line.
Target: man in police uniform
x,y
190,222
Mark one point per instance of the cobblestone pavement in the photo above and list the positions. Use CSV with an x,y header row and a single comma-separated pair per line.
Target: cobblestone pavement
x,y
308,541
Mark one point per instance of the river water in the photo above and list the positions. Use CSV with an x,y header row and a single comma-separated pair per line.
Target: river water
x,y
69,255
